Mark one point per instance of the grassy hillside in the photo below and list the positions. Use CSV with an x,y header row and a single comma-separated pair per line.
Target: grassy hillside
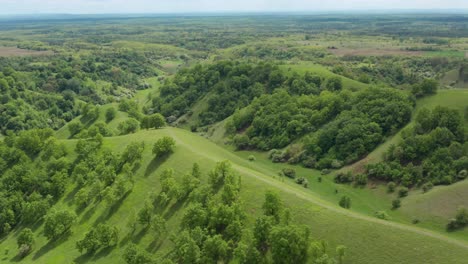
x,y
326,220
434,208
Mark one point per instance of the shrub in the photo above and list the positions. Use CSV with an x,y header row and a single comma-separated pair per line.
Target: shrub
x,y
403,192
361,179
251,158
128,126
300,180
345,202
163,146
427,187
290,173
381,215
344,177
462,174
110,114
241,142
391,186
325,172
396,204
319,179
336,164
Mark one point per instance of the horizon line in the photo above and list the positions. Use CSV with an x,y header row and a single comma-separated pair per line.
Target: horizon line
x,y
231,12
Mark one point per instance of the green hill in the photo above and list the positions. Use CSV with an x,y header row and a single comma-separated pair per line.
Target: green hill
x,y
358,232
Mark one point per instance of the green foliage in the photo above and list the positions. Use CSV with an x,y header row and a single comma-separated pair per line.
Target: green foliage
x,y
382,215
128,126
460,220
74,128
153,121
289,244
272,205
101,236
396,204
435,144
334,84
58,222
135,255
289,172
426,87
25,237
403,192
110,114
163,146
345,202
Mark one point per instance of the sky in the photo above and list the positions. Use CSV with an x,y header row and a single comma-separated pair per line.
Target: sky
x,y
190,6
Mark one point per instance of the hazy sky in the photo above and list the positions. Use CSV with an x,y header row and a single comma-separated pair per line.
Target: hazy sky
x,y
175,6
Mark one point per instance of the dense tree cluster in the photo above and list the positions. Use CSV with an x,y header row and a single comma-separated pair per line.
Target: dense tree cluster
x,y
213,226
28,188
98,237
340,127
433,151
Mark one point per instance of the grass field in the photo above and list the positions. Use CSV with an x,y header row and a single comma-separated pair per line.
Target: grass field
x,y
315,207
327,221
13,51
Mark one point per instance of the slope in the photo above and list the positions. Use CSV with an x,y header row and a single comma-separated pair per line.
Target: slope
x,y
364,236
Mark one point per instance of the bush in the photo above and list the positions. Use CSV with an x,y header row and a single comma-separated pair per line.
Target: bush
x,y
319,179
163,146
74,128
288,172
403,192
344,177
396,204
251,158
300,180
462,174
460,220
361,179
129,126
427,187
345,202
381,215
241,142
391,186
110,114
325,172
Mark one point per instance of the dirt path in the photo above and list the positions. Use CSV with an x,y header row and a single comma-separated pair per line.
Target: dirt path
x,y
310,198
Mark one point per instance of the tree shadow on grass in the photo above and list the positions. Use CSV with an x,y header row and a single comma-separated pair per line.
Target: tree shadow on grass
x,y
84,258
88,214
111,210
174,208
137,238
69,198
51,245
155,245
37,224
154,164
103,253
126,239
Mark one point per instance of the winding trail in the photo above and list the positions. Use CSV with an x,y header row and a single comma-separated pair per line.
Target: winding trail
x,y
309,197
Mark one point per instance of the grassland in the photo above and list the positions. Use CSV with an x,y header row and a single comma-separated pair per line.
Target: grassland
x,y
13,51
326,220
